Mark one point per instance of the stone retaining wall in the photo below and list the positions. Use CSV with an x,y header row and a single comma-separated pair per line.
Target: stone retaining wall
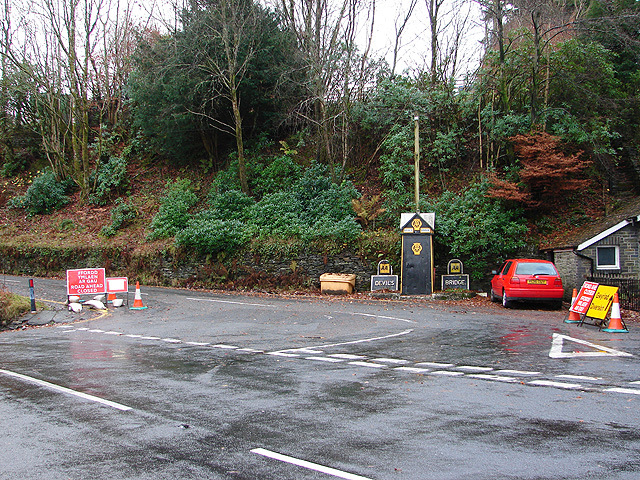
x,y
178,268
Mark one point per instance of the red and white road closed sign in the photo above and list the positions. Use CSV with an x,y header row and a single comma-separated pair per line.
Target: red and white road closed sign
x,y
86,281
584,298
117,284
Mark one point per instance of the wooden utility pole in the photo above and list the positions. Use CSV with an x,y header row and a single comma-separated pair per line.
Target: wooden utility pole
x,y
416,160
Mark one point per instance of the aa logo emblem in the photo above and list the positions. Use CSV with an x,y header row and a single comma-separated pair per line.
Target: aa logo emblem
x,y
417,248
416,224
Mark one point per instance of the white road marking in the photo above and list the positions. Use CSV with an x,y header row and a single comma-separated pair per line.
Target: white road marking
x,y
473,368
495,378
413,369
446,373
347,356
579,377
308,465
382,316
632,391
435,364
517,372
231,302
468,370
600,351
367,364
389,360
58,388
364,340
325,359
549,383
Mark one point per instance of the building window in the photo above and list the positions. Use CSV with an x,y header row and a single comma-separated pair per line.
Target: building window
x,y
607,258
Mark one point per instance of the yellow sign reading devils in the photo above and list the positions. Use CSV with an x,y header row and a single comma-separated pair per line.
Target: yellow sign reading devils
x,y
416,248
601,302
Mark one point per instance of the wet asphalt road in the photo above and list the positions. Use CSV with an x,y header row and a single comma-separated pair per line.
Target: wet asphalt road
x,y
244,387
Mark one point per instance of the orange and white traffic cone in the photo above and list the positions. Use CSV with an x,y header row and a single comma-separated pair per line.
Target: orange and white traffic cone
x,y
573,316
137,301
615,322
111,297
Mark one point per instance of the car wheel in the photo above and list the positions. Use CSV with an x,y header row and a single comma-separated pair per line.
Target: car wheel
x,y
506,303
494,297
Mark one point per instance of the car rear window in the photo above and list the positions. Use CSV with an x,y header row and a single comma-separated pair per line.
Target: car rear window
x,y
535,268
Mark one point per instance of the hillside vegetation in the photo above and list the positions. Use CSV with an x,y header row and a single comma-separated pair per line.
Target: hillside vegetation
x,y
242,131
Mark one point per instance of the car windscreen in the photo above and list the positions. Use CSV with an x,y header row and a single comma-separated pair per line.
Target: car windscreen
x,y
535,268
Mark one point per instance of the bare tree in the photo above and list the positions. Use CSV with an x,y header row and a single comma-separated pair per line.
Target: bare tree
x,y
326,35
75,52
400,24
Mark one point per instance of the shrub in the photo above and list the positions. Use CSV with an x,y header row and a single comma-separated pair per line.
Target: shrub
x,y
44,195
277,214
477,228
173,213
232,205
340,231
12,306
207,235
121,215
279,175
314,207
110,178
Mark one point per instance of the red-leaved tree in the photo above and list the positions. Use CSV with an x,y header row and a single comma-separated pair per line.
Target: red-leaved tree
x,y
547,175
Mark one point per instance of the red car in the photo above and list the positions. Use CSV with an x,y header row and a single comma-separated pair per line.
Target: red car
x,y
528,280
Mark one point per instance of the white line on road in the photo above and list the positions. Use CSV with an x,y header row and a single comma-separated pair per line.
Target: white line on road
x,y
579,377
517,372
367,364
495,378
381,316
412,369
435,364
229,301
633,391
549,383
446,373
347,356
308,465
53,386
390,360
325,359
364,340
473,368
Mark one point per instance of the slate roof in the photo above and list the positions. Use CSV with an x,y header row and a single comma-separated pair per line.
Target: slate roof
x,y
631,210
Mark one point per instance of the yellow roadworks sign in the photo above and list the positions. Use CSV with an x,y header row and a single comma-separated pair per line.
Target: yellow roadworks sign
x,y
601,302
